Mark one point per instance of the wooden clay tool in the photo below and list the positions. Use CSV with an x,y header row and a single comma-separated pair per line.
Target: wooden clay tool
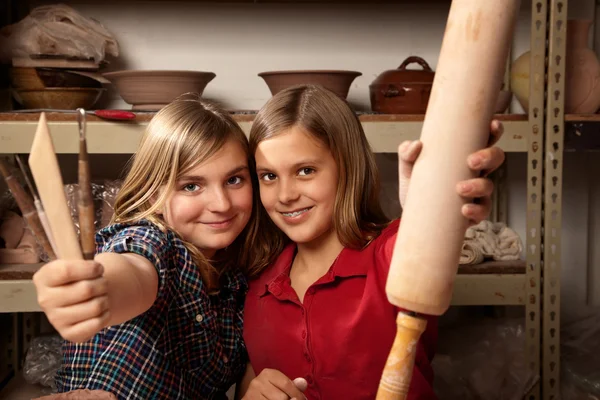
x,y
37,202
85,201
46,174
467,81
27,208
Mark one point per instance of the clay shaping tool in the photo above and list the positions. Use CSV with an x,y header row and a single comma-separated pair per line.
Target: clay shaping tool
x,y
27,208
85,201
37,203
47,177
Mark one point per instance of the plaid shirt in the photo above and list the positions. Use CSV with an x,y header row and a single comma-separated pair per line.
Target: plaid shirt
x,y
188,345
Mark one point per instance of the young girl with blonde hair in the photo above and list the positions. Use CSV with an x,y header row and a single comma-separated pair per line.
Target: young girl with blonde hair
x,y
158,312
318,310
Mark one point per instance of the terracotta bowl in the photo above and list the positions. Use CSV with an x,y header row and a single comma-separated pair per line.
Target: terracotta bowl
x,y
58,98
335,80
152,90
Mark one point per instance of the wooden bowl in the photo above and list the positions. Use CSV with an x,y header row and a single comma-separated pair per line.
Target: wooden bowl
x,y
152,90
338,81
58,98
40,78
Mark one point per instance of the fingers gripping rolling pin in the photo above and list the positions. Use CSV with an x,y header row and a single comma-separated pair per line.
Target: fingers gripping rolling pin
x,y
426,255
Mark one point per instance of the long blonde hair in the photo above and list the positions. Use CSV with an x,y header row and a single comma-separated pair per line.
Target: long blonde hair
x,y
182,135
358,216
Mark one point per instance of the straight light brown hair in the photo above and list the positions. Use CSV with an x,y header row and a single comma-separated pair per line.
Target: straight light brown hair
x,y
358,217
182,135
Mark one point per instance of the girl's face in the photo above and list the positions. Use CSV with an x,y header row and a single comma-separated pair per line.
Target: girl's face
x,y
212,203
298,183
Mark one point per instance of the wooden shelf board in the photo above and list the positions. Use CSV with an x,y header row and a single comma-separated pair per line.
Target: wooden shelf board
x,y
239,115
493,267
489,283
18,271
384,132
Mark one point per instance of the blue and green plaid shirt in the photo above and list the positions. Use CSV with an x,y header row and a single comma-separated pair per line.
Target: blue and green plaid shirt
x,y
188,345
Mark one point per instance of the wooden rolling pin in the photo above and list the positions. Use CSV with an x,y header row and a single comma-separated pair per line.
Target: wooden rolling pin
x,y
426,255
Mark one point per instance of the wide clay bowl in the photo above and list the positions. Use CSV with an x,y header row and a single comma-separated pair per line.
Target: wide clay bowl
x,y
338,81
152,90
58,98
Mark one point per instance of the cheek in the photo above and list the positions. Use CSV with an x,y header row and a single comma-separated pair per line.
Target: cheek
x,y
243,199
267,196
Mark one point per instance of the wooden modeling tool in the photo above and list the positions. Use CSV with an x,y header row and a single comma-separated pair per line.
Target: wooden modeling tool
x,y
46,174
467,81
37,203
85,200
27,208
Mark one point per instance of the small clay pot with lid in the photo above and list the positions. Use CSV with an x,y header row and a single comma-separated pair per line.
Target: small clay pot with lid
x,y
402,90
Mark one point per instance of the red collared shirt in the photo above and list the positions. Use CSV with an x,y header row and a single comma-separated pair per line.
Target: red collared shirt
x,y
340,337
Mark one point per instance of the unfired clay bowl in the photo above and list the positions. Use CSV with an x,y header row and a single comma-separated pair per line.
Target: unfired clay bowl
x,y
335,80
152,90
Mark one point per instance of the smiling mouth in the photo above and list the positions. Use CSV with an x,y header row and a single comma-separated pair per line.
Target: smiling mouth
x,y
295,213
219,223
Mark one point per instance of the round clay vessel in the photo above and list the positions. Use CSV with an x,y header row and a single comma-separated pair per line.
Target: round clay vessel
x,y
519,79
582,85
153,89
402,90
58,98
338,81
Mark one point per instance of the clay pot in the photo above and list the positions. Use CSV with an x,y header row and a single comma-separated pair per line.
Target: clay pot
x,y
582,70
582,85
402,90
519,79
152,90
335,80
58,98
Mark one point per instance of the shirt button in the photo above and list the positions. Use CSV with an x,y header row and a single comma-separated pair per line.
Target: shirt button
x,y
303,334
307,358
309,379
199,318
311,291
225,359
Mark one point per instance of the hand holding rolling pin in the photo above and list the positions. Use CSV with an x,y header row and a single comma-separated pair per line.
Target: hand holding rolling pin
x,y
482,162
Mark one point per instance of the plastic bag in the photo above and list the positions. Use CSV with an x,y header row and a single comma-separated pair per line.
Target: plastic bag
x,y
483,360
580,365
43,360
59,30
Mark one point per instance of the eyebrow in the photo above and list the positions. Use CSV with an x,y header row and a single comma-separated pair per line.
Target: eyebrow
x,y
234,171
308,161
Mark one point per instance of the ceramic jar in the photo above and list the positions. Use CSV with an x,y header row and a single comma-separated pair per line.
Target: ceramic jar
x,y
582,85
582,70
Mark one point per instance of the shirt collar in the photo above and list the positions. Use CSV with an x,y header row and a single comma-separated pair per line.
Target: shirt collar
x,y
349,263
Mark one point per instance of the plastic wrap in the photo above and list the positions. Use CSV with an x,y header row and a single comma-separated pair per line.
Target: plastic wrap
x,y
43,360
484,360
59,30
580,365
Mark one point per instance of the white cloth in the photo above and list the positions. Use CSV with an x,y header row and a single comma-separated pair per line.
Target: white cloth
x,y
490,240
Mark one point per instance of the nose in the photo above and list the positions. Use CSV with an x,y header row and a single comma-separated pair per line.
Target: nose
x,y
288,192
219,200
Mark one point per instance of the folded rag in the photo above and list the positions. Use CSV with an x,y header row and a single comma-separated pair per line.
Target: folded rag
x,y
490,240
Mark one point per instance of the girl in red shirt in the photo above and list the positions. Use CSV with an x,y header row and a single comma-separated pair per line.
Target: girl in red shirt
x,y
318,310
